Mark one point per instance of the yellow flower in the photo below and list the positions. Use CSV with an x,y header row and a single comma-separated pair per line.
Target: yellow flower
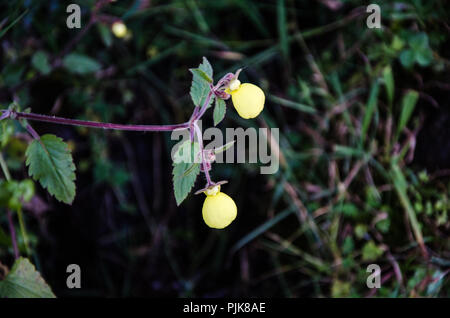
x,y
219,210
119,29
248,99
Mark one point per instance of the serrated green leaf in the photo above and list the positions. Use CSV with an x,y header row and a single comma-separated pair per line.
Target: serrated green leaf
x,y
49,160
201,73
200,88
40,62
24,281
185,169
80,64
219,111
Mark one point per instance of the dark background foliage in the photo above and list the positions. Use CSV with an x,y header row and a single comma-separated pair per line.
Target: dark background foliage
x,y
310,230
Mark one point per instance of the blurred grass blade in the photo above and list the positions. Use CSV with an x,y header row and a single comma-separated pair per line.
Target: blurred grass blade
x,y
291,104
389,83
346,152
282,28
157,58
401,186
261,229
371,106
3,32
193,36
408,104
436,283
252,11
199,18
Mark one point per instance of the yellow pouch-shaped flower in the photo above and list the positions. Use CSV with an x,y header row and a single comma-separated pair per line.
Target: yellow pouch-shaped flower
x,y
219,210
248,99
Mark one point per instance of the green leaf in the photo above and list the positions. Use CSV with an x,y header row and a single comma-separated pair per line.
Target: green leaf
x,y
12,74
371,251
408,104
202,74
80,64
105,34
348,209
419,42
185,169
200,87
49,160
424,58
348,245
187,152
407,58
340,289
219,111
40,62
24,281
14,193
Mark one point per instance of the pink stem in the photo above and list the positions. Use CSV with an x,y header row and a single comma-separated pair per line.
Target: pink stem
x,y
200,143
93,124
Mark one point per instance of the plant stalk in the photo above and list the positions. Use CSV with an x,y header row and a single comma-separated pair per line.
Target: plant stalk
x,y
94,124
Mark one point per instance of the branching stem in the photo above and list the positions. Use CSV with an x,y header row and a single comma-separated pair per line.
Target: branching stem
x,y
192,124
92,124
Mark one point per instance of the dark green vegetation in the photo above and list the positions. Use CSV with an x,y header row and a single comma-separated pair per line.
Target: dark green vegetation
x,y
364,120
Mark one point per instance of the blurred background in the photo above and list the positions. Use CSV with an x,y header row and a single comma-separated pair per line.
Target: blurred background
x,y
364,119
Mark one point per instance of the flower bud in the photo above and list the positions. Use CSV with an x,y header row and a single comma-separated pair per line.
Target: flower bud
x,y
119,29
234,84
